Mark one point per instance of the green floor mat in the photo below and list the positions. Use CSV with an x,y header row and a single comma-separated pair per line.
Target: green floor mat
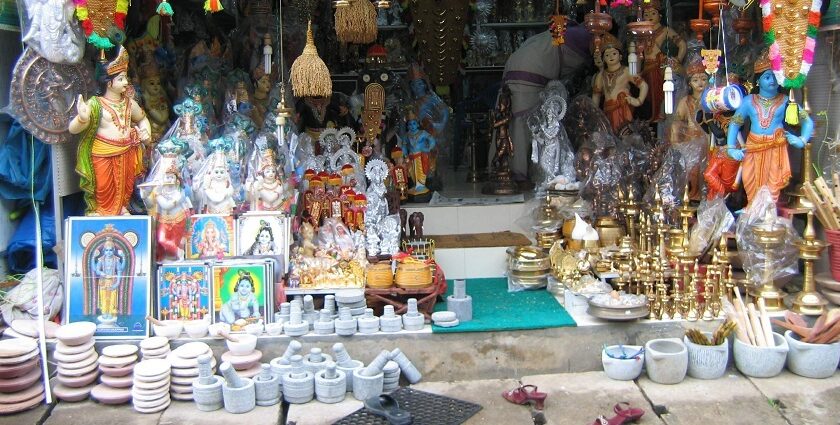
x,y
496,309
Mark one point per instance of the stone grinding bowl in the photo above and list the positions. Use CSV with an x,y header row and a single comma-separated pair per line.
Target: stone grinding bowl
x,y
274,329
255,329
170,329
216,328
196,328
245,345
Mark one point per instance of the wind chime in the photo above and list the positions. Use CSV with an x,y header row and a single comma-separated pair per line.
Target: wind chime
x,y
283,112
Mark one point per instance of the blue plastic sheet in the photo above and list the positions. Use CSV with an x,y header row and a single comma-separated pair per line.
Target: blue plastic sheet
x,y
20,254
16,166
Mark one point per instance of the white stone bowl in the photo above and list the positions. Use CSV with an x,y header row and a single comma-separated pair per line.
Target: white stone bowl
x,y
761,362
170,328
245,345
255,329
812,360
76,333
274,329
196,328
707,361
622,369
216,329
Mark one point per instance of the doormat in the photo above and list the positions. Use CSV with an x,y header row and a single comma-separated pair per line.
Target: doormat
x,y
496,309
439,200
480,240
426,409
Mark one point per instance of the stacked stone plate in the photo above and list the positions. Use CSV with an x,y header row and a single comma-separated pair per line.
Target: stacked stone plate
x,y
246,365
156,347
184,362
117,364
354,299
77,362
20,375
150,391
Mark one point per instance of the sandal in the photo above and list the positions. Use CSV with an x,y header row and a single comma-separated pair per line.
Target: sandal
x,y
387,407
632,414
526,394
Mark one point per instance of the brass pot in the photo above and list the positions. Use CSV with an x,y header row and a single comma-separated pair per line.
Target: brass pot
x,y
568,227
609,231
528,259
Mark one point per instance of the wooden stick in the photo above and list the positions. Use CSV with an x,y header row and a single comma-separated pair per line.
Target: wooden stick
x,y
740,329
224,334
155,321
831,201
765,323
835,180
759,334
823,209
742,313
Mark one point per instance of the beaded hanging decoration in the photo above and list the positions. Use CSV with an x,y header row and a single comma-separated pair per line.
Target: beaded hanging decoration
x,y
103,21
790,29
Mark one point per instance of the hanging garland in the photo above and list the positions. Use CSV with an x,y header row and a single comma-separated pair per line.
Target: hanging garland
x,y
114,34
788,46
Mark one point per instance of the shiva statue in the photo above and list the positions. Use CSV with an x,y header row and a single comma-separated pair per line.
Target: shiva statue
x,y
764,157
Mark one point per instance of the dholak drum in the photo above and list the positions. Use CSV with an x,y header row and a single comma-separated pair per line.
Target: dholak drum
x,y
720,99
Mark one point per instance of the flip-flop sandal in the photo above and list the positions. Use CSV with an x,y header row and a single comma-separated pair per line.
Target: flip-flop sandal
x,y
631,414
387,407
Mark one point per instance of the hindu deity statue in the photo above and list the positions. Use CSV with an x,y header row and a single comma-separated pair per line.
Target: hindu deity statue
x,y
215,190
242,303
432,113
686,128
613,83
113,128
399,172
186,129
171,208
420,146
382,231
108,269
665,48
764,157
155,101
551,148
268,192
504,145
262,88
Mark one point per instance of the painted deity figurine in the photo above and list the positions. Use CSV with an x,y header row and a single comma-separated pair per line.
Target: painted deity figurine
x,y
107,269
666,48
171,208
216,191
613,82
432,112
686,128
267,192
420,146
764,158
110,156
262,88
155,101
399,172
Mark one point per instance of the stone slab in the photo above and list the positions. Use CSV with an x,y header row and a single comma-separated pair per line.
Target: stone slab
x,y
91,413
803,400
731,399
578,398
31,416
486,393
185,413
316,413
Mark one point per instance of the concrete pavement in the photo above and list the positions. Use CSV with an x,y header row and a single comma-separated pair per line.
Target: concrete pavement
x,y
574,398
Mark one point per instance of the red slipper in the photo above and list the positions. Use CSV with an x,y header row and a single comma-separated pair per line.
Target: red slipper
x,y
632,414
526,394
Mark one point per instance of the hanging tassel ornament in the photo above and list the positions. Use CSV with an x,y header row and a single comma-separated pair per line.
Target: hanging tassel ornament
x,y
792,112
267,51
309,74
633,59
213,6
356,23
668,90
165,9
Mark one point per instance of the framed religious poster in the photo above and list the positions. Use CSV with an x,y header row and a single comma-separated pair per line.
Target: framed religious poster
x,y
210,236
108,263
241,292
264,234
183,291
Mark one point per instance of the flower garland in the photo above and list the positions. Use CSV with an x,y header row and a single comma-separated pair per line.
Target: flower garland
x,y
775,51
94,38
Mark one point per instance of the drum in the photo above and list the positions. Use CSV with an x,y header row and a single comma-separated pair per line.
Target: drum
x,y
721,99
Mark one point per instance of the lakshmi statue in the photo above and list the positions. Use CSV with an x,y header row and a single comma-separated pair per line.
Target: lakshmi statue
x,y
420,146
171,207
267,192
667,48
764,159
613,82
110,156
685,127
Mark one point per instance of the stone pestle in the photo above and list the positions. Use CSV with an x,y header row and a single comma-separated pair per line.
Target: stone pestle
x,y
310,315
329,305
330,384
345,363
316,360
391,377
267,387
375,367
232,379
239,394
406,366
281,365
205,371
298,384
207,389
285,312
369,381
459,302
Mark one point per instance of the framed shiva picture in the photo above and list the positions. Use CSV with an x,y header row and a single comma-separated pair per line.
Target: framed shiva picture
x,y
264,234
241,292
108,267
210,236
183,291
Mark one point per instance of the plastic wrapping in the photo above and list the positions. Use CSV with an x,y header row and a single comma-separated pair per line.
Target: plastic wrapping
x,y
49,27
669,179
713,218
214,191
599,168
21,302
636,159
584,119
759,222
551,148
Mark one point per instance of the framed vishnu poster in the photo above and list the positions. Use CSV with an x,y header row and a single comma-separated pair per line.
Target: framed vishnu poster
x,y
210,236
264,234
183,291
241,292
108,266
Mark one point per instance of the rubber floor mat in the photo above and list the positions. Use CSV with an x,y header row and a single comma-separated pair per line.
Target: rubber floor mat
x,y
426,409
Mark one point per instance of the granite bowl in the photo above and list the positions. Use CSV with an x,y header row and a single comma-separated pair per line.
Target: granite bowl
x,y
196,328
246,343
169,329
216,329
274,329
255,329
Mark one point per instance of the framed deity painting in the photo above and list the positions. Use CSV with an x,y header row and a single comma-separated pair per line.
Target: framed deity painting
x,y
211,236
108,266
241,292
183,291
264,234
